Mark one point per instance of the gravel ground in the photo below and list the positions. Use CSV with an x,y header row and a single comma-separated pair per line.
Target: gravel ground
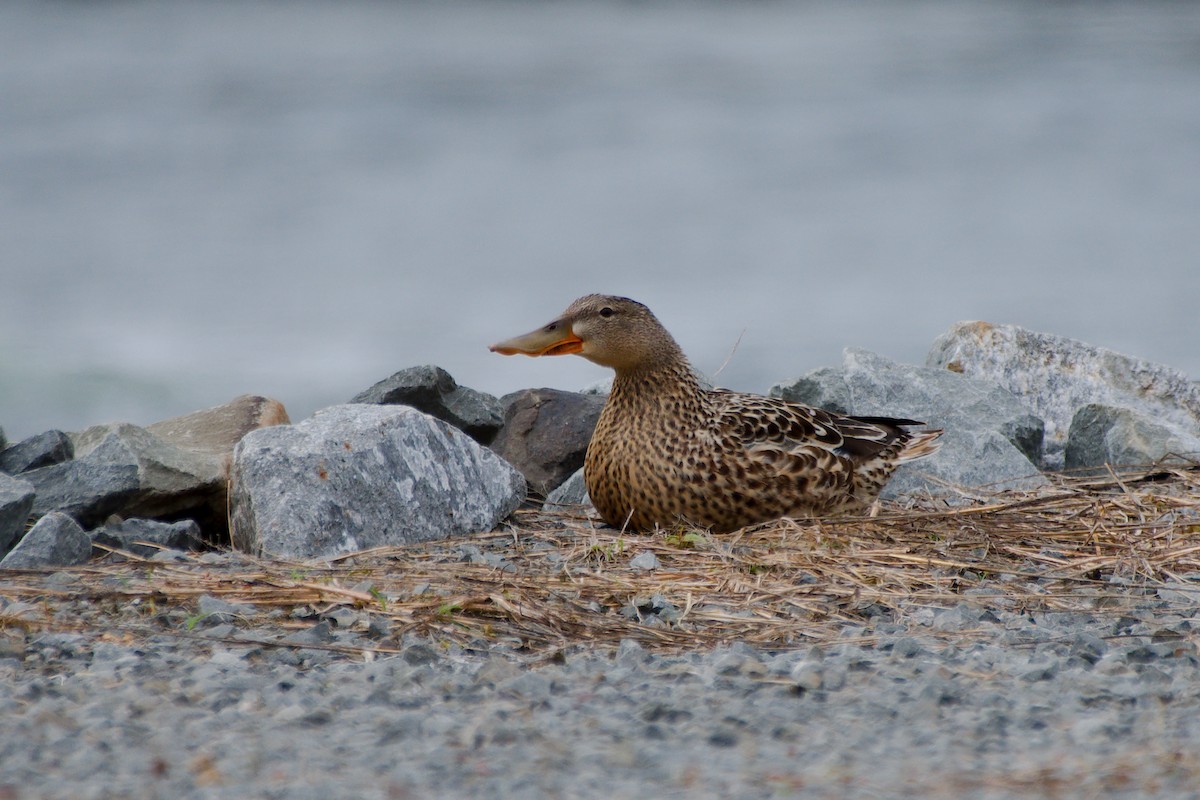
x,y
959,701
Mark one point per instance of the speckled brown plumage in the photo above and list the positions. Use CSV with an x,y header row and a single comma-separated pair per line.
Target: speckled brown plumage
x,y
667,450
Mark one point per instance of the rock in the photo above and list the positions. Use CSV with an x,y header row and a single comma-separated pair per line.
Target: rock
x,y
51,447
978,418
16,501
546,434
146,536
572,492
55,541
1054,376
1104,435
358,476
121,468
432,390
217,430
645,561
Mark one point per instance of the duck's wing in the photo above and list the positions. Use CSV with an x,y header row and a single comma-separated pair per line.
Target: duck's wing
x,y
777,431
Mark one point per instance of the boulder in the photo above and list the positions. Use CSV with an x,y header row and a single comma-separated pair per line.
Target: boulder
x,y
546,434
145,537
359,476
217,430
1055,376
983,422
1121,437
16,502
42,450
432,390
55,541
101,480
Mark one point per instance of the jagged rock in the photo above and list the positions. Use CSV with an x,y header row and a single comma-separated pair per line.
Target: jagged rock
x,y
16,501
55,541
572,492
1055,376
174,468
147,536
432,390
217,430
979,418
3,439
1101,435
42,450
546,434
122,468
358,476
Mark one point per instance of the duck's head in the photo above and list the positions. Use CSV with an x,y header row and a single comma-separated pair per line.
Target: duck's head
x,y
611,331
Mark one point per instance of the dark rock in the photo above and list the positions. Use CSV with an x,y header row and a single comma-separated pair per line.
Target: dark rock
x,y
1105,435
360,476
978,418
55,541
16,502
546,434
147,536
1055,376
51,447
121,468
432,390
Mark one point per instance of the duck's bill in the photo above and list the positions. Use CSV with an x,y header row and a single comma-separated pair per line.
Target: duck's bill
x,y
559,341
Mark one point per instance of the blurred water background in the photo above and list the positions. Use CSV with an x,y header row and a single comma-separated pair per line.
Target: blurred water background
x,y
297,199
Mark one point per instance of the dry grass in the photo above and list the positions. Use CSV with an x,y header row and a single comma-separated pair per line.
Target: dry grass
x,y
559,580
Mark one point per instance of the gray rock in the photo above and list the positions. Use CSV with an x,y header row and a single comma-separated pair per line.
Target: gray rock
x,y
359,476
1105,435
646,560
215,611
55,541
572,492
121,468
16,502
546,434
432,390
42,450
1054,376
134,535
978,418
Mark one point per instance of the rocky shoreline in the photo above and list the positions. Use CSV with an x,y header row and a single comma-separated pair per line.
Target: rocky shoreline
x,y
143,657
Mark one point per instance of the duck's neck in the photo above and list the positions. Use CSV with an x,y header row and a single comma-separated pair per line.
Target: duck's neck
x,y
672,379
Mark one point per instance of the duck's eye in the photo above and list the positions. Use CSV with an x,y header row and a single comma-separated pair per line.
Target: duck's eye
x,y
606,312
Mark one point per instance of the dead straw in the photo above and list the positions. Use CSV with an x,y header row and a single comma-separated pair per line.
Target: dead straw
x,y
551,581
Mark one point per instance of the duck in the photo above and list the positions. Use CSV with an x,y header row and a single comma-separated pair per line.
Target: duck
x,y
667,450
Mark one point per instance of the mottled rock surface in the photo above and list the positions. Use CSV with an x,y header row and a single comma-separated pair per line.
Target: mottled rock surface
x,y
42,450
56,540
1105,435
546,434
1055,376
432,390
358,476
16,501
981,421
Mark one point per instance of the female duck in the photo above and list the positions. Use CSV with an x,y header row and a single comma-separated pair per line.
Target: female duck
x,y
667,450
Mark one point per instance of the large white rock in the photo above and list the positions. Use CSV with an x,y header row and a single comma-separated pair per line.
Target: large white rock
x,y
1055,376
358,476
